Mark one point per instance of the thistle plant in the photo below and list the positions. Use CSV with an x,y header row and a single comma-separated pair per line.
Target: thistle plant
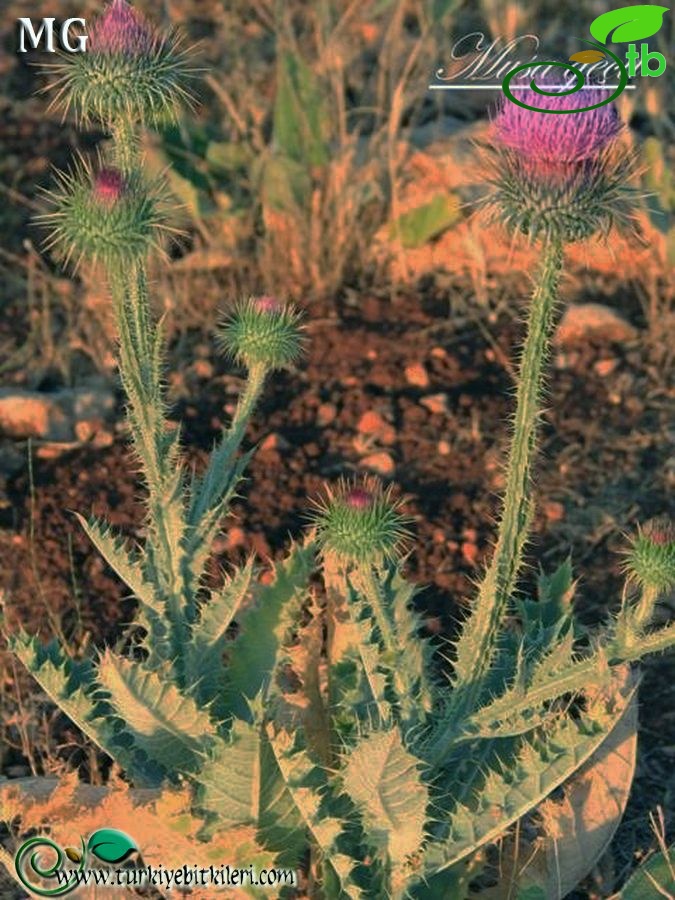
x,y
323,732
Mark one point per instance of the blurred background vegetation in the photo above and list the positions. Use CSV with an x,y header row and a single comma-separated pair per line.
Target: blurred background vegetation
x,y
318,163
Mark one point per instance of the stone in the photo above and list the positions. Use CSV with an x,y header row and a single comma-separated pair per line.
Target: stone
x,y
54,417
382,463
583,322
28,414
470,553
372,424
605,367
436,403
554,511
417,375
326,414
236,537
202,368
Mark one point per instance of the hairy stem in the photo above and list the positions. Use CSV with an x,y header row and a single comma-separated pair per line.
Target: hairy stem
x,y
125,145
214,482
476,644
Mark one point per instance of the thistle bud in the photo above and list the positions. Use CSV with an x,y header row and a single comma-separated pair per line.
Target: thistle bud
x,y
103,216
651,556
262,331
130,71
360,523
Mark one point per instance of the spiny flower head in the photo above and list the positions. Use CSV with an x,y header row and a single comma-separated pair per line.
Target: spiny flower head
x,y
262,331
560,176
122,30
104,215
130,72
555,138
360,522
650,560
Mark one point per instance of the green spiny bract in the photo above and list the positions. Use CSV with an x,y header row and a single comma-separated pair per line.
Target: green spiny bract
x,y
361,523
104,216
328,734
562,201
261,331
130,72
560,175
650,561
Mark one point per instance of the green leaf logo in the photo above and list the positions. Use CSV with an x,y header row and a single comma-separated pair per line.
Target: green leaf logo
x,y
631,23
111,845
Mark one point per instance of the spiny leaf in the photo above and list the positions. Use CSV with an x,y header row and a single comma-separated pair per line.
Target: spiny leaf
x,y
506,793
307,785
382,778
265,625
128,567
70,686
573,830
165,723
204,652
241,784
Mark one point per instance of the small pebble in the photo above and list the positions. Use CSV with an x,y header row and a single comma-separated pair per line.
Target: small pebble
x,y
436,403
326,414
382,463
417,375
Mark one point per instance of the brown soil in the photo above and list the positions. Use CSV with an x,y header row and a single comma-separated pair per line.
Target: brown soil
x,y
604,467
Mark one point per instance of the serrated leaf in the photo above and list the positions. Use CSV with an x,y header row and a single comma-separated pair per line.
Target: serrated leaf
x,y
241,784
69,686
417,226
574,830
204,663
164,722
264,627
383,780
630,23
487,804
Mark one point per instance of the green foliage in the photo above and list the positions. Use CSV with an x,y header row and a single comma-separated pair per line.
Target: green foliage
x,y
655,878
301,118
419,225
330,730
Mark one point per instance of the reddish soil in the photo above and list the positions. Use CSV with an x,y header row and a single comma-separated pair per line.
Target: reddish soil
x,y
603,469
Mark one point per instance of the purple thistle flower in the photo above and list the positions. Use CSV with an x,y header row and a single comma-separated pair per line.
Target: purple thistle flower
x,y
268,304
547,138
109,186
122,30
359,498
660,531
